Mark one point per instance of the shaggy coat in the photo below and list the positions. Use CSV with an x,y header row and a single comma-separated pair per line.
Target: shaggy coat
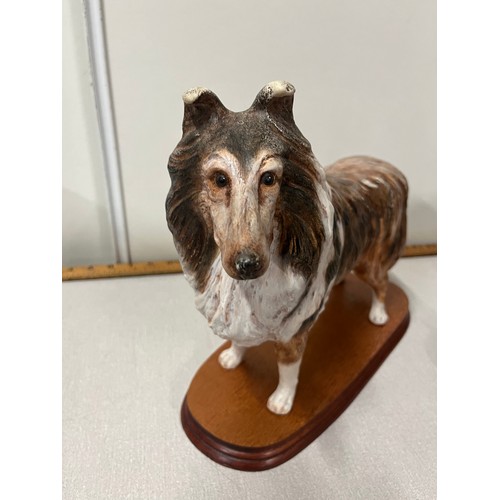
x,y
263,231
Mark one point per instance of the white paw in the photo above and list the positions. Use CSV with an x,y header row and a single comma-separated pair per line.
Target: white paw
x,y
230,358
378,314
281,401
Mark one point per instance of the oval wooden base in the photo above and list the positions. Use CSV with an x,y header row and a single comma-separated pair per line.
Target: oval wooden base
x,y
224,412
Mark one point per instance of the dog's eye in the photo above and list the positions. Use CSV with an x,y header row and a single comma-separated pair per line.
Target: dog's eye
x,y
221,180
268,179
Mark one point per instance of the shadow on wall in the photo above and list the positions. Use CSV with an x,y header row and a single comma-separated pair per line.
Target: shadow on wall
x,y
87,237
422,223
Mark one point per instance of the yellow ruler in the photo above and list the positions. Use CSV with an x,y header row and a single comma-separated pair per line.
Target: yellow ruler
x,y
173,266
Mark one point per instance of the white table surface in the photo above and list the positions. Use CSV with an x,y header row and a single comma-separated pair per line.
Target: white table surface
x,y
130,349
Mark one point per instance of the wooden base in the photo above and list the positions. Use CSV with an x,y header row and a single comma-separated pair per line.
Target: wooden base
x,y
224,412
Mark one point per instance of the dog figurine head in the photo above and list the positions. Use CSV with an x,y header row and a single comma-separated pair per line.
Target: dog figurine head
x,y
241,180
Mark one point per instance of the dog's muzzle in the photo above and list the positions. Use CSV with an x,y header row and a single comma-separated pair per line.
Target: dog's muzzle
x,y
248,265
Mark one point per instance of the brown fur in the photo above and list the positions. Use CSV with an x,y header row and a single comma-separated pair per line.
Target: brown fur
x,y
292,351
374,225
370,198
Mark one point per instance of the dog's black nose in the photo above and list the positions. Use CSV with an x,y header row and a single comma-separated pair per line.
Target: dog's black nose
x,y
248,265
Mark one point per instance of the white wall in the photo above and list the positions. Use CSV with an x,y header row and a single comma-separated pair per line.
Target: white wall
x,y
365,76
87,234
364,73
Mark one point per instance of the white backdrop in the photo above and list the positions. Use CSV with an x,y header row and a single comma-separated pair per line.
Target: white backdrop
x,y
365,74
87,235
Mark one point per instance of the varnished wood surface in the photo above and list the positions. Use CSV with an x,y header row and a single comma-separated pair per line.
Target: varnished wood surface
x,y
173,266
225,414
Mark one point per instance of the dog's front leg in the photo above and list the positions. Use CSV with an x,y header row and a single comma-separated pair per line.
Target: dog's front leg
x,y
230,358
289,359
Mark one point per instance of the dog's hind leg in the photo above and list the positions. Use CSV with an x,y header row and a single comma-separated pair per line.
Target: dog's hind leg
x,y
289,358
230,358
378,314
377,278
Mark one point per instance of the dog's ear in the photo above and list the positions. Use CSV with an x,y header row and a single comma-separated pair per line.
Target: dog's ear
x,y
201,106
277,99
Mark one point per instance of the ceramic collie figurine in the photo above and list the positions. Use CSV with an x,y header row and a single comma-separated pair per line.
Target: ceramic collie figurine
x,y
263,231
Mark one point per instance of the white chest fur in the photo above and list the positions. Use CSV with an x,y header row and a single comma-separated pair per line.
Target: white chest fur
x,y
251,312
272,307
